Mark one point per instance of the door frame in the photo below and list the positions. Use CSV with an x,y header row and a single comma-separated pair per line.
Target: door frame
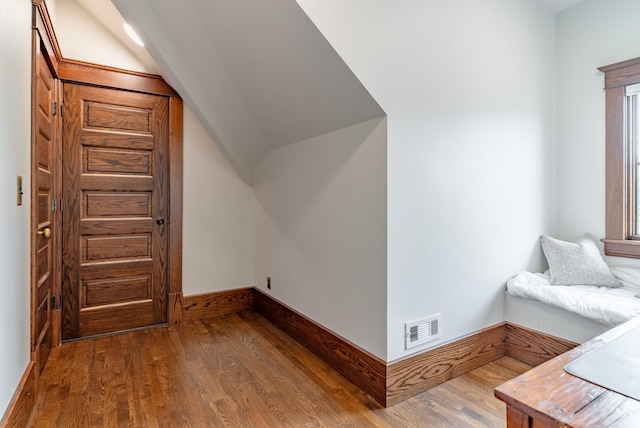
x,y
66,70
39,48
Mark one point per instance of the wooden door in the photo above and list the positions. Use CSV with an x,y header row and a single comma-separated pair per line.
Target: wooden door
x,y
114,255
43,215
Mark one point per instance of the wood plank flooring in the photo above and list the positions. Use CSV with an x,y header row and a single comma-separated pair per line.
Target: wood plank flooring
x,y
239,371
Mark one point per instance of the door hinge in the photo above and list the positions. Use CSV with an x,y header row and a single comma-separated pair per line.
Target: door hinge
x,y
56,302
53,205
54,108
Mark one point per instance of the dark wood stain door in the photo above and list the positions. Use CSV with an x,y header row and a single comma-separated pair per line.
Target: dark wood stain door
x,y
44,234
114,256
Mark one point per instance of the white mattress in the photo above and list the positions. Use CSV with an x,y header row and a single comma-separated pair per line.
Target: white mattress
x,y
609,306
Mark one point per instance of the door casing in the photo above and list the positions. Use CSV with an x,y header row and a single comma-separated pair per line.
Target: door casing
x,y
66,70
45,219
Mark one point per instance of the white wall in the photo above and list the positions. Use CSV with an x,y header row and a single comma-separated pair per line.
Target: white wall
x,y
321,230
218,217
469,90
83,37
15,146
590,35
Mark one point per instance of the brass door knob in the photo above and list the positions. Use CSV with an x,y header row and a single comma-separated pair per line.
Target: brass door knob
x,y
46,232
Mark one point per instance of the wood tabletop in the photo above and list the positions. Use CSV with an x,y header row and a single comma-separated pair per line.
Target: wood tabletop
x,y
549,396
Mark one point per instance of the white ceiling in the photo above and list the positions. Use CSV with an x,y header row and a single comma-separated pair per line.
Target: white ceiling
x,y
105,13
560,5
258,77
289,76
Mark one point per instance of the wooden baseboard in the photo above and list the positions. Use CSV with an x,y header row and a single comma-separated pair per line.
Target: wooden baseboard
x,y
418,373
217,304
392,383
363,369
534,347
23,402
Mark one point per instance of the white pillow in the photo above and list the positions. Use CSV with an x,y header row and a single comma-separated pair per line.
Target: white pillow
x,y
577,263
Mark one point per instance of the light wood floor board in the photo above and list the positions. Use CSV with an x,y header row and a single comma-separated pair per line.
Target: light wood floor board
x,y
239,371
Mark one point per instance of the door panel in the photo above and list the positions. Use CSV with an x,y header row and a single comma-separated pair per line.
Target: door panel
x,y
115,210
43,217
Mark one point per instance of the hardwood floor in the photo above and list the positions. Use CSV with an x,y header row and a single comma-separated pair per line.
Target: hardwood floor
x,y
239,371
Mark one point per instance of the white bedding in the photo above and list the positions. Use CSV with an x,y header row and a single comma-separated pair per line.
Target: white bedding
x,y
609,306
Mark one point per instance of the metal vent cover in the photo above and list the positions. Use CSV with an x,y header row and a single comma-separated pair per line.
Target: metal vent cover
x,y
422,331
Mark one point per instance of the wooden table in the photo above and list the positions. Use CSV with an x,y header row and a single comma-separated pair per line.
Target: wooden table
x,y
547,396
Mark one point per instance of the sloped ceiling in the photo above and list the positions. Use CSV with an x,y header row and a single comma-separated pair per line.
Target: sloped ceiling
x,y
107,16
560,5
259,76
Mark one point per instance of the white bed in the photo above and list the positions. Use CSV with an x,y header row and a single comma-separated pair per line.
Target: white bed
x,y
576,312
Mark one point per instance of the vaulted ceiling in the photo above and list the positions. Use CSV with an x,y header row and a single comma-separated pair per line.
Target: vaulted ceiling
x,y
258,76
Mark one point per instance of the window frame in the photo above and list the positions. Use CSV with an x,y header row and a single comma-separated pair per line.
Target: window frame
x,y
620,239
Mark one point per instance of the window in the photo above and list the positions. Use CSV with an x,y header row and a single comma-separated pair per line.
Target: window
x,y
622,86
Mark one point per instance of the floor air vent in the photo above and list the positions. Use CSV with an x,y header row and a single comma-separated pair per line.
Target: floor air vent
x,y
422,331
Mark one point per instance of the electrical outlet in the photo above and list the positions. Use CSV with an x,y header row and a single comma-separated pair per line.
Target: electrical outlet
x,y
269,282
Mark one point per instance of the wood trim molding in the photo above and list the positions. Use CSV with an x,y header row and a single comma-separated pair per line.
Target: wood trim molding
x,y
622,247
418,373
176,168
175,309
42,24
616,214
363,369
100,75
620,73
23,402
534,347
217,304
620,234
